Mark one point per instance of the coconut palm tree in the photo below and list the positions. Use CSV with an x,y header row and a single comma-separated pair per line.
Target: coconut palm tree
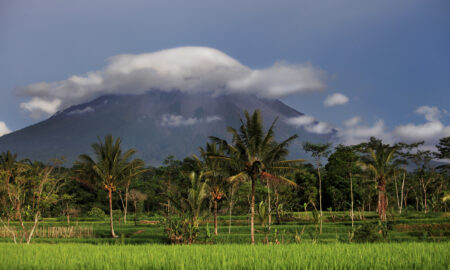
x,y
259,156
381,162
215,175
108,167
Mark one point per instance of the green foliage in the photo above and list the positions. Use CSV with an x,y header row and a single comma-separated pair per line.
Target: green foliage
x,y
367,232
97,213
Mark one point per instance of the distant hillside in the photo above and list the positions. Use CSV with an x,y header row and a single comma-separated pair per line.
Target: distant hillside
x,y
156,124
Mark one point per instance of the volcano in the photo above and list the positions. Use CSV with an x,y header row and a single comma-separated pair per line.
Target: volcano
x,y
156,124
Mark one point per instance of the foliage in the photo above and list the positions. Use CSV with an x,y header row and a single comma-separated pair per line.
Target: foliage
x,y
97,213
367,232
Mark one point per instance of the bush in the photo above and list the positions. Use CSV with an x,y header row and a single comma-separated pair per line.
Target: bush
x,y
97,213
367,232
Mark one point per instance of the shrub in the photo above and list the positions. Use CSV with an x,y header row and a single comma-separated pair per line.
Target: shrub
x,y
97,213
367,232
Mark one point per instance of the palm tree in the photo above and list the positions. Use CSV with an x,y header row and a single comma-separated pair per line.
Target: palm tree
x,y
108,167
258,154
381,162
215,175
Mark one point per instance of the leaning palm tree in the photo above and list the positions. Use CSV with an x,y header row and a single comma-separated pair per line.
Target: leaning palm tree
x,y
381,162
259,156
108,167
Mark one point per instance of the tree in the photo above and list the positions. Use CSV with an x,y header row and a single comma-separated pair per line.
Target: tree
x,y
258,154
443,152
33,189
135,169
380,160
184,228
136,196
342,165
318,151
108,167
214,174
425,174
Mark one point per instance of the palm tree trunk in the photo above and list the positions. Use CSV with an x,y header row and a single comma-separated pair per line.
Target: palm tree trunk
x,y
252,208
351,196
268,204
135,212
215,217
111,213
68,214
382,202
401,193
320,194
231,209
125,210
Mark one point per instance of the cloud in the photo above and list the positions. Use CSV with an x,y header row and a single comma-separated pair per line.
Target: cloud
x,y
352,121
430,131
187,69
4,129
310,124
433,129
171,120
88,109
357,134
37,106
335,99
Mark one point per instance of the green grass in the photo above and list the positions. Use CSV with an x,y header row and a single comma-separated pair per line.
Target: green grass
x,y
240,231
418,242
302,256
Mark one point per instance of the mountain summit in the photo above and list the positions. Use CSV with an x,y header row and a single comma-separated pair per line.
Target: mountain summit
x,y
156,123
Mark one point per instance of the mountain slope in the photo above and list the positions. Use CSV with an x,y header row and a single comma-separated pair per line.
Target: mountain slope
x,y
156,124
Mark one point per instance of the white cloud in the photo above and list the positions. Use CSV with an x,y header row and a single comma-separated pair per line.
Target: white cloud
x,y
188,69
38,105
430,113
301,120
433,129
4,129
310,124
356,134
430,131
352,121
88,109
172,120
335,99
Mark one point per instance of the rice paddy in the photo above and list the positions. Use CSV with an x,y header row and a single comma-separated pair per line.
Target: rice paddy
x,y
415,241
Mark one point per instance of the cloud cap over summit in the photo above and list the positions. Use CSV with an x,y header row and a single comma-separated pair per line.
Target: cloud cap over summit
x,y
187,69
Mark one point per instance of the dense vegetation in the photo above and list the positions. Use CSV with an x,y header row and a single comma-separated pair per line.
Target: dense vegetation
x,y
229,177
248,176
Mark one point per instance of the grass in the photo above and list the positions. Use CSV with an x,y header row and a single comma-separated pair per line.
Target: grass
x,y
415,241
296,256
406,228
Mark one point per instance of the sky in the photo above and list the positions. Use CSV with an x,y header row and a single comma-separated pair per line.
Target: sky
x,y
365,68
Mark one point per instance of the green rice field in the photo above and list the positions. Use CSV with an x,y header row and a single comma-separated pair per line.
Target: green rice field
x,y
295,256
414,241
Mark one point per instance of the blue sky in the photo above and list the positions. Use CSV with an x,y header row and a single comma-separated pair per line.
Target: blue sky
x,y
390,58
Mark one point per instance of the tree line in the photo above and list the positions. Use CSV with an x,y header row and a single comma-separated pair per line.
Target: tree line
x,y
249,174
